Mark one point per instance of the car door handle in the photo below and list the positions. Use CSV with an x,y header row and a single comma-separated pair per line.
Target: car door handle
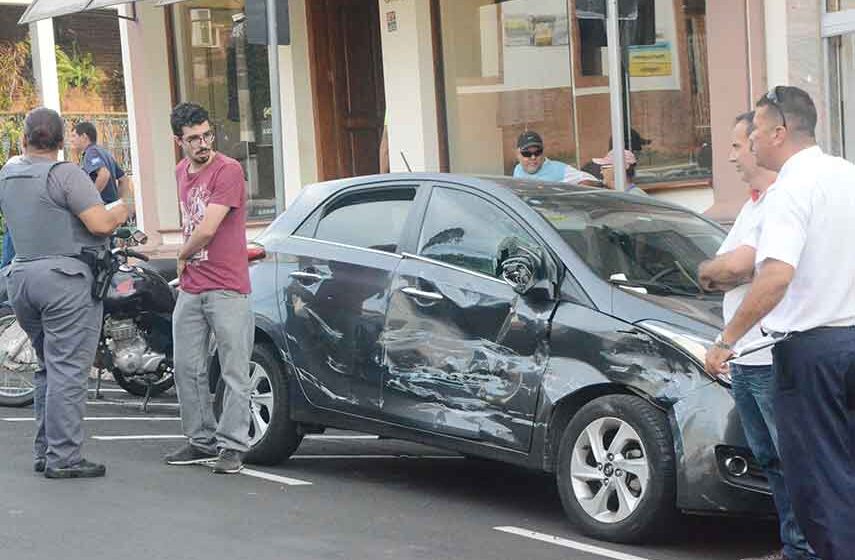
x,y
307,276
415,292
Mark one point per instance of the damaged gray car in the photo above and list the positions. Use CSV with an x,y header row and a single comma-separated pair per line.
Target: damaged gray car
x,y
556,327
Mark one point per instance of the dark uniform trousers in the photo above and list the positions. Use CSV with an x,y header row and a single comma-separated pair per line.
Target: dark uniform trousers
x,y
814,409
53,301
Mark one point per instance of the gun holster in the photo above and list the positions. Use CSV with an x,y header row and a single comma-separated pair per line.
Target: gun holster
x,y
100,261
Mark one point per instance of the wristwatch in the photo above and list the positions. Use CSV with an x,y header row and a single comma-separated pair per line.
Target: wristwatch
x,y
720,343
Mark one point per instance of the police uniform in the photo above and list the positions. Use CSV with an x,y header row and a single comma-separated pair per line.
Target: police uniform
x,y
51,293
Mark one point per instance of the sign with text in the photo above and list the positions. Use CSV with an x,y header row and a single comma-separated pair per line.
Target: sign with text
x,y
650,60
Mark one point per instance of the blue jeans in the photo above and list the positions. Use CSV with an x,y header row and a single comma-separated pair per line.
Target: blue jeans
x,y
8,248
754,392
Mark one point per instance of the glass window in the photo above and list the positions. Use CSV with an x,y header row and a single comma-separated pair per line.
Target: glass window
x,y
220,70
541,65
372,220
842,82
467,231
633,242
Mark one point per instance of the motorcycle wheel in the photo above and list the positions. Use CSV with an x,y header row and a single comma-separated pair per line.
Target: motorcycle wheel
x,y
137,387
18,363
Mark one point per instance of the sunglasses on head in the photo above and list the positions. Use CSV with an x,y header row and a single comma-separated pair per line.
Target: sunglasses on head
x,y
531,153
774,99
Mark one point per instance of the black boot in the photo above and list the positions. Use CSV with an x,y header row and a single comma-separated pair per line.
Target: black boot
x,y
83,469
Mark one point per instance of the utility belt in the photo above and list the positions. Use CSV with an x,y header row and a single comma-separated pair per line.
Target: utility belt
x,y
100,262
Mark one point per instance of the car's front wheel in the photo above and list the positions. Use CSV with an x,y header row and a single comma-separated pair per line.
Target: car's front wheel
x,y
616,469
273,436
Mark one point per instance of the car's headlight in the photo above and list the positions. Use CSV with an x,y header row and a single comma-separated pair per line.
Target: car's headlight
x,y
693,344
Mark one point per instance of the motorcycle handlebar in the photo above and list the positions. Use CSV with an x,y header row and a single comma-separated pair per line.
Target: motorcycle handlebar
x,y
134,254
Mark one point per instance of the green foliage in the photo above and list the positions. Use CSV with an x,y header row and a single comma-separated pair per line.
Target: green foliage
x,y
77,71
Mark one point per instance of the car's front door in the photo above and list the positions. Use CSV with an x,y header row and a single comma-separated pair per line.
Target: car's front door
x,y
336,292
464,352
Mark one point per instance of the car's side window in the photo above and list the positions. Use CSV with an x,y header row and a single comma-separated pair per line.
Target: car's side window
x,y
468,231
371,219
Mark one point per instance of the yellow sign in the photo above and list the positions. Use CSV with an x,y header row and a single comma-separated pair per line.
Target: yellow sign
x,y
650,60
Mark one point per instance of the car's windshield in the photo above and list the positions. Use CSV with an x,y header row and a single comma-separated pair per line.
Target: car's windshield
x,y
629,242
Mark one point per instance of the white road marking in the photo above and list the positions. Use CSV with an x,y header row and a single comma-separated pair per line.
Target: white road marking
x,y
108,390
107,418
131,403
582,547
275,478
334,436
128,438
377,457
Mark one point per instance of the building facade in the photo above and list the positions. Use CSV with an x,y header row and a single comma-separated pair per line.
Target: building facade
x,y
455,81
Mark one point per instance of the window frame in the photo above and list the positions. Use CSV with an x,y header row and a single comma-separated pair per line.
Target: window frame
x,y
552,264
308,229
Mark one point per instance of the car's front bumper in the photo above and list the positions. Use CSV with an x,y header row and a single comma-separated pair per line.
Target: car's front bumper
x,y
709,440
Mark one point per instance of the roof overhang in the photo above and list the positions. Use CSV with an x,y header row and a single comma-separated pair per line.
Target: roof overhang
x,y
44,9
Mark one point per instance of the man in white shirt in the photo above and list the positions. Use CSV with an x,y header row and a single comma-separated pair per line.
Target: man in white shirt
x,y
753,381
805,285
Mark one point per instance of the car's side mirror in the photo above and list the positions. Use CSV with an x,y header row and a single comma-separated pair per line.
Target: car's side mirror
x,y
521,270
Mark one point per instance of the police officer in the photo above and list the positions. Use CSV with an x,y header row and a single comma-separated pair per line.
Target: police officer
x,y
55,213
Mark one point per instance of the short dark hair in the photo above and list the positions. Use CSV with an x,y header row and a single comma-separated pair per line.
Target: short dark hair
x,y
187,114
795,105
44,129
748,119
87,128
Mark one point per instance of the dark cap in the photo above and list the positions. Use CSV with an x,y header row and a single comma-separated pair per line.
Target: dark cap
x,y
528,139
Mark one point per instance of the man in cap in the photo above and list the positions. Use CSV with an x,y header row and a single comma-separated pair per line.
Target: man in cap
x,y
533,164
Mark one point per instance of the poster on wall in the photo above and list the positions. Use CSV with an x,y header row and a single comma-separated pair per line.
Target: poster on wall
x,y
650,60
535,30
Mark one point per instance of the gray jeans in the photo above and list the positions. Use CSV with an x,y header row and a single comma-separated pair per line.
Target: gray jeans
x,y
53,302
229,317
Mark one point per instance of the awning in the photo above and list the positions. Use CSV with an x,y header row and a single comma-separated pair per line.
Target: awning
x,y
43,9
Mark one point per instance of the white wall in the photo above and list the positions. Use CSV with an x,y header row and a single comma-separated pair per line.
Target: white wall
x,y
777,66
694,199
408,70
298,124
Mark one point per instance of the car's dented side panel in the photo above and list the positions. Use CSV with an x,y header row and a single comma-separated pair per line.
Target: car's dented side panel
x,y
590,349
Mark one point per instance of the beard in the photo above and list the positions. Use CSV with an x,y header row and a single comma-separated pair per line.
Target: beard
x,y
201,157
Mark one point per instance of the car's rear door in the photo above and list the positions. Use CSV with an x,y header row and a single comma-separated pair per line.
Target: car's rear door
x,y
335,294
464,352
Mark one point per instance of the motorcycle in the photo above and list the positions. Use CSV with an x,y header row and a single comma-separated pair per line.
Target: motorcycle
x,y
136,333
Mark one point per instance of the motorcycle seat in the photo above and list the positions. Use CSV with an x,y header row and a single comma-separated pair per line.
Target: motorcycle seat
x,y
165,267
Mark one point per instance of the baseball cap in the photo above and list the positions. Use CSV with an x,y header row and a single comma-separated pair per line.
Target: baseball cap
x,y
528,139
628,159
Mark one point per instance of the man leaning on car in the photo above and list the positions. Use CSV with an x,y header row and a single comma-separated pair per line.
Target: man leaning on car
x,y
753,380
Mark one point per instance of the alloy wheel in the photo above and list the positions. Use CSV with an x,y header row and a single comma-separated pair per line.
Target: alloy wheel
x,y
609,470
261,402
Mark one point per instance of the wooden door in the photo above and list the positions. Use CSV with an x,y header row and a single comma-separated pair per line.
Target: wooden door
x,y
347,74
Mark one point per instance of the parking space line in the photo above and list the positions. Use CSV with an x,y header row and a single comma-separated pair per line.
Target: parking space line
x,y
92,390
334,436
141,437
377,457
582,547
275,478
106,418
131,403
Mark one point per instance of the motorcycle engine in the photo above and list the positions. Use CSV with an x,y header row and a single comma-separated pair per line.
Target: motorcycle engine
x,y
131,352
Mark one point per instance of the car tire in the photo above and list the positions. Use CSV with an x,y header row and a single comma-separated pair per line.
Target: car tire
x,y
137,387
273,435
628,495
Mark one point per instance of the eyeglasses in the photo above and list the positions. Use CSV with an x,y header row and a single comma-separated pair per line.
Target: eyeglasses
x,y
774,99
531,153
196,140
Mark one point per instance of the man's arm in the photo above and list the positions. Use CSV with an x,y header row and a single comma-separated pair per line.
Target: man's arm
x,y
766,292
100,221
204,232
729,270
102,179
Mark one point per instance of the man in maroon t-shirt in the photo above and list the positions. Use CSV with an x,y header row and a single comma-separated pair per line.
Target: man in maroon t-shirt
x,y
214,274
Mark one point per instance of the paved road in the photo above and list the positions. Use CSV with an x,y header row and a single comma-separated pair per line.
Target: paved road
x,y
343,496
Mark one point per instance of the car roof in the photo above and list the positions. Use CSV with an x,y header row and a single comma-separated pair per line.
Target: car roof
x,y
499,186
